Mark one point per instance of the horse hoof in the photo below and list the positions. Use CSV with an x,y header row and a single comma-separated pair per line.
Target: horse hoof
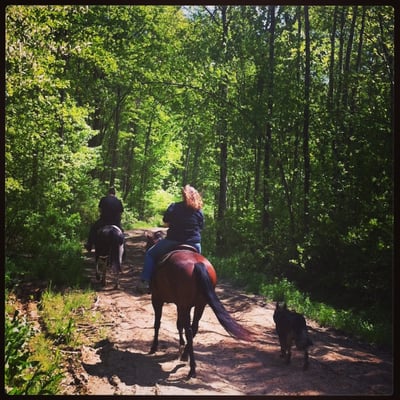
x,y
191,374
116,286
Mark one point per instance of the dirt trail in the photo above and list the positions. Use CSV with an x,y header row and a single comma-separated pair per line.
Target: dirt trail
x,y
121,364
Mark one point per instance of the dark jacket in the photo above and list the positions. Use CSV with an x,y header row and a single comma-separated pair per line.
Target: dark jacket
x,y
111,209
185,224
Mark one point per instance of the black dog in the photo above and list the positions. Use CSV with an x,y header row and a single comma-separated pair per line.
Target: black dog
x,y
291,326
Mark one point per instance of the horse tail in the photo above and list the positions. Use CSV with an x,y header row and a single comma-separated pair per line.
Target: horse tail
x,y
116,248
225,319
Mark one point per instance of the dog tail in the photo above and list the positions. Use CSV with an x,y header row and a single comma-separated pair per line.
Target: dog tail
x,y
302,340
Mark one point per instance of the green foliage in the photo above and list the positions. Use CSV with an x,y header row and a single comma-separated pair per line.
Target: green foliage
x,y
159,200
363,325
24,376
128,220
59,262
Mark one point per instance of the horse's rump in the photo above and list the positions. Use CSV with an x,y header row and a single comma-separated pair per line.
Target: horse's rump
x,y
110,243
180,263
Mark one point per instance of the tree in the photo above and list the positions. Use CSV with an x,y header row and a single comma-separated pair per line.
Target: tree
x,y
306,155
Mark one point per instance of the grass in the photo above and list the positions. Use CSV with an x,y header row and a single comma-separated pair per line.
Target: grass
x,y
66,315
33,360
360,325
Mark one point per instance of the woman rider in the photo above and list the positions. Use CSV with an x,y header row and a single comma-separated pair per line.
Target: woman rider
x,y
185,221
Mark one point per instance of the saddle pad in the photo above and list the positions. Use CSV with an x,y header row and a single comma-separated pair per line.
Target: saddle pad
x,y
179,248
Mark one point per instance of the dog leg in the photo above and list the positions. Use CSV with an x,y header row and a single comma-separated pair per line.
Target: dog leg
x,y
289,340
288,355
305,365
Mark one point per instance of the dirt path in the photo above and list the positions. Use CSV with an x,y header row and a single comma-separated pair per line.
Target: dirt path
x,y
121,363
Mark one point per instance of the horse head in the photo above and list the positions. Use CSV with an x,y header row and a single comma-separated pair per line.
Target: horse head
x,y
153,237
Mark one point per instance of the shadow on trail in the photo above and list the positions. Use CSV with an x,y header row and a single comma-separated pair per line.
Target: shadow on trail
x,y
144,370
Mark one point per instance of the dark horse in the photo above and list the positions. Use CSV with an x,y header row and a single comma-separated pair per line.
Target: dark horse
x,y
109,249
153,238
187,279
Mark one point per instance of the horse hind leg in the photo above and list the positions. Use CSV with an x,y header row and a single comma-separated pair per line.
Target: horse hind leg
x,y
97,270
179,326
198,313
101,267
104,272
184,318
116,286
157,323
189,346
121,253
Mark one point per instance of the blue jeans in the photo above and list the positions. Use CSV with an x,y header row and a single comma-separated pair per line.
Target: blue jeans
x,y
155,252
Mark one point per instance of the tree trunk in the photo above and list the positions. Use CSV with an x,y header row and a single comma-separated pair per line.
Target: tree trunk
x,y
129,157
268,128
143,176
114,137
332,61
223,143
306,153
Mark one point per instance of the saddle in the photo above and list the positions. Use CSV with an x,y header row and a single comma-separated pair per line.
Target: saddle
x,y
181,247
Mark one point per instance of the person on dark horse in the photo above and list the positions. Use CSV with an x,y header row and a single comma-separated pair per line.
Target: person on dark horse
x,y
111,209
185,221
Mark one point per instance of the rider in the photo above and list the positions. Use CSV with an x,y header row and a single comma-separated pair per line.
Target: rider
x,y
185,220
111,208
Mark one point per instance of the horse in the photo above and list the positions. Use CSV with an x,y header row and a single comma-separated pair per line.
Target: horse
x,y
187,279
109,249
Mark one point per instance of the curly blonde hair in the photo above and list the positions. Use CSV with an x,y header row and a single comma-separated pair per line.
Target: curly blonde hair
x,y
192,197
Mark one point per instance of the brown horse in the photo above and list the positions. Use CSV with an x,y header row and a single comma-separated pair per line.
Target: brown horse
x,y
188,279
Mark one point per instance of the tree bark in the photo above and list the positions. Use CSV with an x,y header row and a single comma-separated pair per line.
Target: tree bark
x,y
223,143
306,152
268,128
